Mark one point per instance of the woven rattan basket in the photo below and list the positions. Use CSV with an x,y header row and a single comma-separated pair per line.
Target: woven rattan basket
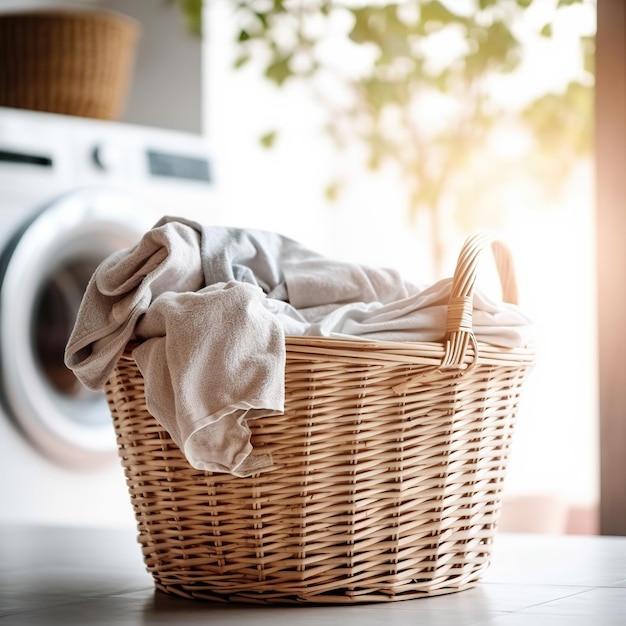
x,y
68,61
388,467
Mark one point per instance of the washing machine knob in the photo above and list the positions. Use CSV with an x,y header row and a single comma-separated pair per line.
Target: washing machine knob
x,y
104,157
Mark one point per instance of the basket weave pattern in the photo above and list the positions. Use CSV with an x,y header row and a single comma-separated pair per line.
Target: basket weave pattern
x,y
385,485
67,62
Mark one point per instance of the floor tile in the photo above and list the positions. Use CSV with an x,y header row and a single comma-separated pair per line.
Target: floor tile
x,y
15,602
47,586
595,604
75,547
72,583
496,598
520,619
557,559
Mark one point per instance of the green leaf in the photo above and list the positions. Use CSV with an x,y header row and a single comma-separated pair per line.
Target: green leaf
x,y
192,9
496,47
268,139
279,70
435,11
546,31
563,122
588,46
485,4
244,35
241,60
332,191
262,17
362,31
524,4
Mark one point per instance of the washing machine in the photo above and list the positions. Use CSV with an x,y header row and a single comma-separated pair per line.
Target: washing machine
x,y
73,191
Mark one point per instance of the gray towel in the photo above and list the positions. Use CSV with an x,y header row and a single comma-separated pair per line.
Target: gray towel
x,y
122,289
212,360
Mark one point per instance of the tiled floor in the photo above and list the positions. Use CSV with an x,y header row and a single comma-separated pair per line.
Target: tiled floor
x,y
76,577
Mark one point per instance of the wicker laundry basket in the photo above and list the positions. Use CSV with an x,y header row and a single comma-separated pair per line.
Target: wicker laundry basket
x,y
67,61
388,468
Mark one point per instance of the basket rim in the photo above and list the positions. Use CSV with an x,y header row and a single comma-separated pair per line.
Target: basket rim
x,y
384,344
419,352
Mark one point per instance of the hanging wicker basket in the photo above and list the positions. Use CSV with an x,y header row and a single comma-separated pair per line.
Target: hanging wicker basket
x,y
388,466
73,62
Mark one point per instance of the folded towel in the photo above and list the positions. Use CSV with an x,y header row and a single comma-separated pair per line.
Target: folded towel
x,y
211,307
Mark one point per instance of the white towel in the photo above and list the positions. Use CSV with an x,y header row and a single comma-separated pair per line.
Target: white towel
x,y
418,317
211,307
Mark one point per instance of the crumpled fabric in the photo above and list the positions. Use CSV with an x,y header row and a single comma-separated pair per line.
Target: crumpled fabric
x,y
210,307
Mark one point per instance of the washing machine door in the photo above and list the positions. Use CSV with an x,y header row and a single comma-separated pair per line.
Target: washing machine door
x,y
44,271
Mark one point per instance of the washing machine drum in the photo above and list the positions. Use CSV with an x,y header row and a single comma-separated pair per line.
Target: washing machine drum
x,y
44,270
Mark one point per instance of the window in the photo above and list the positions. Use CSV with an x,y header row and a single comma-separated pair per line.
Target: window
x,y
556,449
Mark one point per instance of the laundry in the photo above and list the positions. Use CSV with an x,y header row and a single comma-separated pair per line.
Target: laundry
x,y
211,360
210,308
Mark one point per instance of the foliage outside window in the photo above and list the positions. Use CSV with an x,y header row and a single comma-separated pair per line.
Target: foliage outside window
x,y
411,58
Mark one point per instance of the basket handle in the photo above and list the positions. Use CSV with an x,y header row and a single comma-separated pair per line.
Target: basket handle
x,y
459,330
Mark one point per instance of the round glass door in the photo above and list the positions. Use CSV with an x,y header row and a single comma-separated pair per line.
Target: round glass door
x,y
47,267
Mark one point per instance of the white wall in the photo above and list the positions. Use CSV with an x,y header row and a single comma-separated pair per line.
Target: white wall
x,y
166,90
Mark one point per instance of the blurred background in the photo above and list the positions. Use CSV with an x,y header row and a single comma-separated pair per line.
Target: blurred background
x,y
384,133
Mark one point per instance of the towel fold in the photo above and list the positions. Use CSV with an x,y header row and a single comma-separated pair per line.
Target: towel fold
x,y
120,291
212,360
211,307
